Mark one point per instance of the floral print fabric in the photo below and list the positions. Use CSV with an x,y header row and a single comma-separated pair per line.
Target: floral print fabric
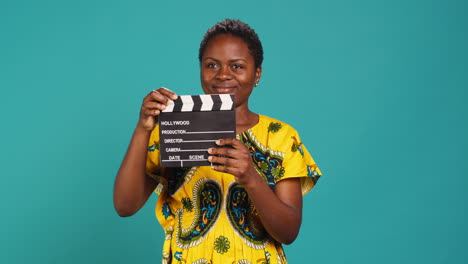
x,y
208,217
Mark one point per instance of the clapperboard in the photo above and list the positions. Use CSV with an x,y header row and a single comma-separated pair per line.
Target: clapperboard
x,y
192,124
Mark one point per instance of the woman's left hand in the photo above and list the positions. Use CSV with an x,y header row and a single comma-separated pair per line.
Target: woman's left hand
x,y
235,160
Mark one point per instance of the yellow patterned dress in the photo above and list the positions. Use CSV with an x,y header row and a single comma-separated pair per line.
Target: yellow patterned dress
x,y
208,217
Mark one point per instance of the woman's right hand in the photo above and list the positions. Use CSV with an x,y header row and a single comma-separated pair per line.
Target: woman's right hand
x,y
132,186
155,102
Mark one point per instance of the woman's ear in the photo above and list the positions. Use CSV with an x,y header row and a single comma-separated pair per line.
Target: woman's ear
x,y
258,74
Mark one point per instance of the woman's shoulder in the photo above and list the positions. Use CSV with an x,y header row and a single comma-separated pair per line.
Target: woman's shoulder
x,y
275,126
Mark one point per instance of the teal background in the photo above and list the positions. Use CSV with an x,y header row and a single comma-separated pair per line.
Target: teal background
x,y
377,90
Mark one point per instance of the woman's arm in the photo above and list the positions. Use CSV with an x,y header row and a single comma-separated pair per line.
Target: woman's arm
x,y
280,210
132,187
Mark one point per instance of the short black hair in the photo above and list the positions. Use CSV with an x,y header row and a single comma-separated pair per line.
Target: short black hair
x,y
239,29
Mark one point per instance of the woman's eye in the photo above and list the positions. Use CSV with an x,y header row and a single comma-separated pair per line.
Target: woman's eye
x,y
237,66
212,65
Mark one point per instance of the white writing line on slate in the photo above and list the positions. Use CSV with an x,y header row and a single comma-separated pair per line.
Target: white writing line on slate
x,y
186,160
191,141
181,150
205,132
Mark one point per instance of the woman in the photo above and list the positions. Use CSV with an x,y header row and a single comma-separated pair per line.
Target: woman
x,y
243,209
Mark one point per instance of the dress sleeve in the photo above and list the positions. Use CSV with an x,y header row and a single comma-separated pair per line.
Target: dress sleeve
x,y
153,164
298,163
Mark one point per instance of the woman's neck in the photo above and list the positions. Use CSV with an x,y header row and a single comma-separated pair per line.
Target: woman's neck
x,y
245,119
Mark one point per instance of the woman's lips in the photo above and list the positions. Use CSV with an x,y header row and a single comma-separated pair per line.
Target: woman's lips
x,y
224,89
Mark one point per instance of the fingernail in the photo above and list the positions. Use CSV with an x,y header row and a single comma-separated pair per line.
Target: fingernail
x,y
218,142
210,159
210,150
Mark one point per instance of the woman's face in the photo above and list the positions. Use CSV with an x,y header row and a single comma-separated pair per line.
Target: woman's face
x,y
227,67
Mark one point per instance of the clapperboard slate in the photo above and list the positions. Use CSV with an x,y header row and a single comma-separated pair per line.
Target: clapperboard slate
x,y
191,124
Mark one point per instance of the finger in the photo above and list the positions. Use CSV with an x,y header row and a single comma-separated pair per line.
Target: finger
x,y
222,160
152,105
150,112
156,96
240,153
234,142
168,93
230,152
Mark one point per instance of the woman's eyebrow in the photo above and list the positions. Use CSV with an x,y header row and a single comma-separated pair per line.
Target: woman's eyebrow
x,y
239,59
233,60
210,58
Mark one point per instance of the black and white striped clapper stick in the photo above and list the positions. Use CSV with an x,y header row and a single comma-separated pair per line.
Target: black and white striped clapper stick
x,y
191,124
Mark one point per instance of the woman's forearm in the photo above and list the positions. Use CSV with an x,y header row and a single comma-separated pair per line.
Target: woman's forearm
x,y
132,187
280,211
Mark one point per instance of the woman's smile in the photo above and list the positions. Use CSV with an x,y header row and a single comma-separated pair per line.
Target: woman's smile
x,y
225,89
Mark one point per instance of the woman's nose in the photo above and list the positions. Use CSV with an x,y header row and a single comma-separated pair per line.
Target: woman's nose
x,y
224,73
